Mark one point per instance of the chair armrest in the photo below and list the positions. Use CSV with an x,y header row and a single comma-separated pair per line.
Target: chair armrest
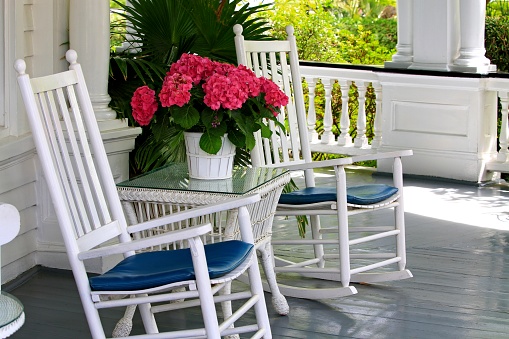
x,y
224,205
316,164
382,155
134,245
172,236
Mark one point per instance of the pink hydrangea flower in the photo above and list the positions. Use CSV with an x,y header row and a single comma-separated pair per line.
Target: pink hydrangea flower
x,y
273,94
144,105
175,90
198,80
194,66
246,79
222,91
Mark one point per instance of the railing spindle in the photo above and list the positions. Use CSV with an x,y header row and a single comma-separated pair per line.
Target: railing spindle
x,y
377,139
503,154
361,141
311,118
327,136
344,138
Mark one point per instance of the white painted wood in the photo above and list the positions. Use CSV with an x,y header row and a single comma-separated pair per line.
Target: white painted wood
x,y
95,60
441,35
472,52
404,55
91,218
297,123
9,225
448,122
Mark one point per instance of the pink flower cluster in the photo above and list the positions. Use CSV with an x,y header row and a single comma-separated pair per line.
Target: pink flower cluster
x,y
144,105
175,90
224,86
273,95
197,67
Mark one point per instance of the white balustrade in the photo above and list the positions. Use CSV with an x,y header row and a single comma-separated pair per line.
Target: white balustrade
x,y
345,78
500,163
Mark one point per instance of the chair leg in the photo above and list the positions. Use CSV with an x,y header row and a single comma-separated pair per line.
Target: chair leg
x,y
278,300
400,238
226,307
343,231
315,233
149,321
93,319
204,289
260,307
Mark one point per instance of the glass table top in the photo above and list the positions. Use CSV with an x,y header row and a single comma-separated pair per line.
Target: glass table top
x,y
175,177
10,309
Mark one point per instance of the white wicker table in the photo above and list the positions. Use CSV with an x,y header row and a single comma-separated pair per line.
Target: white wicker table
x,y
12,315
169,189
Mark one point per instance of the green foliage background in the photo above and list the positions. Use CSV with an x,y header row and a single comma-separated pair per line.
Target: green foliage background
x,y
333,31
336,31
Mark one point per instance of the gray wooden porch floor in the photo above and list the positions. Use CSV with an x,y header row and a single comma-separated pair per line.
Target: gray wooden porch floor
x,y
458,251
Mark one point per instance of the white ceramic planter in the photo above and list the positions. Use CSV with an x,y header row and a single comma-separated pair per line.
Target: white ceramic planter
x,y
203,165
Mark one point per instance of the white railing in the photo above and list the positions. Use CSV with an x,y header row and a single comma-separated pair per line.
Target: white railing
x,y
501,163
345,78
362,77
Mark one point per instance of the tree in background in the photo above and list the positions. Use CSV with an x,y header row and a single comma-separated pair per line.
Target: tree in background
x,y
336,31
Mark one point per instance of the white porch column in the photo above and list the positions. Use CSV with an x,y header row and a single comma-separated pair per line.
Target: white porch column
x,y
404,55
89,35
471,53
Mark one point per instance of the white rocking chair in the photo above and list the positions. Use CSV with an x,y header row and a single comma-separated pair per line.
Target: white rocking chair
x,y
278,60
93,224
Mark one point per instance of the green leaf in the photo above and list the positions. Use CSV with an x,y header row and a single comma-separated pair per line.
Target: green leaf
x,y
186,116
210,143
250,141
209,117
160,128
237,138
265,130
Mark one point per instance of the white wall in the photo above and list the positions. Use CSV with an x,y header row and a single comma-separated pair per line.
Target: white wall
x,y
37,31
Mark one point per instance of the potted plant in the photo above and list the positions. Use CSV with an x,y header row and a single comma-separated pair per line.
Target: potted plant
x,y
223,102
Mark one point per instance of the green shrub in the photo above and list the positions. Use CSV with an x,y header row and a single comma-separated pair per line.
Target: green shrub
x,y
497,42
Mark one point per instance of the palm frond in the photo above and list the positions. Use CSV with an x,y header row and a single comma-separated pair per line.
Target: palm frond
x,y
155,152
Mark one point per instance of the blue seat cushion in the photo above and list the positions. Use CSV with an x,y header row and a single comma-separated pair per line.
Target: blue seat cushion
x,y
358,195
152,269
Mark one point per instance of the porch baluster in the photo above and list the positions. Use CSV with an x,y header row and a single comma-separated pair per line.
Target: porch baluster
x,y
311,118
377,139
344,138
504,128
327,136
361,141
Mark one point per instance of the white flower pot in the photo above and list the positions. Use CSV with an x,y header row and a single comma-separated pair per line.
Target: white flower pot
x,y
203,165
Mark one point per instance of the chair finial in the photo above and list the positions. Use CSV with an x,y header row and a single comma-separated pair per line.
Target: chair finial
x,y
71,56
237,29
20,66
289,30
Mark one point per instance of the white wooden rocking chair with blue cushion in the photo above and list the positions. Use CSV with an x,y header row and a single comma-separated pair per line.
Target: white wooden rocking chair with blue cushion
x,y
93,225
278,60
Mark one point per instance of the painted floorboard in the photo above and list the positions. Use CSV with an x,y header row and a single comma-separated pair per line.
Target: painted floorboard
x,y
460,287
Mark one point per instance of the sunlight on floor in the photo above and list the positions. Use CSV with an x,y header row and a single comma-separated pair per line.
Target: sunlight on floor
x,y
486,207
467,207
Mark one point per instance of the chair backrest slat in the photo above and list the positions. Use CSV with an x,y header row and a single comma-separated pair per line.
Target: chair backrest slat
x,y
278,61
63,125
45,102
88,174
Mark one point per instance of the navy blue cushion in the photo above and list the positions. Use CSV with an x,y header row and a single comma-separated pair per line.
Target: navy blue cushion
x,y
358,195
152,269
